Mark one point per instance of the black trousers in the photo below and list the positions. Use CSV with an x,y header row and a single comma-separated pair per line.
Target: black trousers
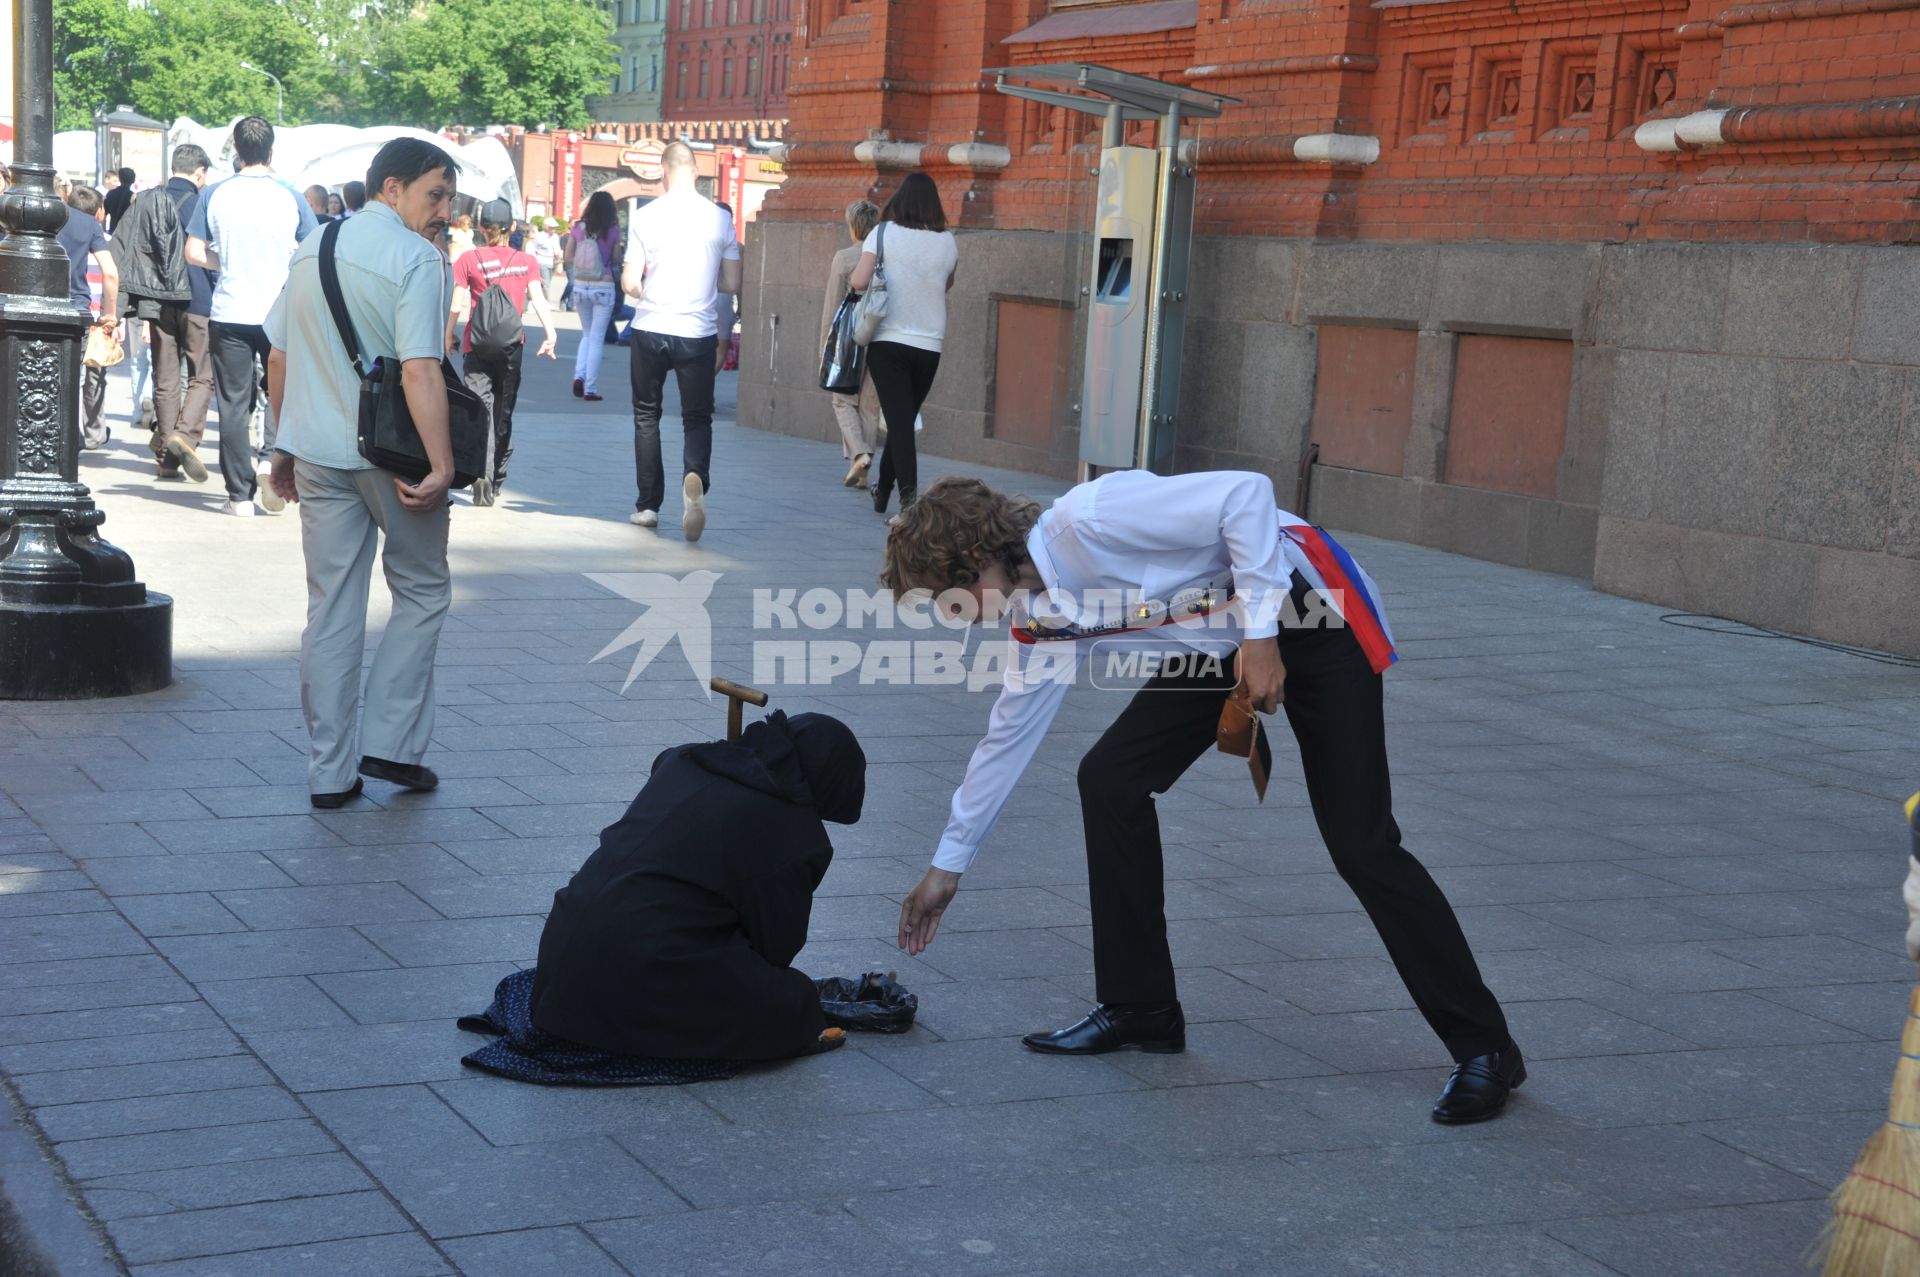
x,y
690,360
1334,706
239,354
175,336
501,373
902,378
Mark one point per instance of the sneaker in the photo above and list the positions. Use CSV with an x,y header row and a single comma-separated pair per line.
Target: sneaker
x,y
482,492
644,518
270,501
579,388
181,454
243,509
694,521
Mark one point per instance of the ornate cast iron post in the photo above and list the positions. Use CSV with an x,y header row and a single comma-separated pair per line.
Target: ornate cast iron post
x,y
73,620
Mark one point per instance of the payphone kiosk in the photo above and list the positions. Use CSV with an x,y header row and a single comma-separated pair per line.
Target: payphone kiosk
x,y
1143,236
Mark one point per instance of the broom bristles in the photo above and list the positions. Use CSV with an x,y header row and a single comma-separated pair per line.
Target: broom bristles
x,y
1875,1229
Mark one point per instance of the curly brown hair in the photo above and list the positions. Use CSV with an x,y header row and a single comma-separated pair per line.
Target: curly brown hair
x,y
935,543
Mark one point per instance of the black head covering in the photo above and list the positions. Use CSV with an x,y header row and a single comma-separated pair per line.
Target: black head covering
x,y
811,760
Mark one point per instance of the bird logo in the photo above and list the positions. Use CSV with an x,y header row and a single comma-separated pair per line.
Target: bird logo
x,y
676,607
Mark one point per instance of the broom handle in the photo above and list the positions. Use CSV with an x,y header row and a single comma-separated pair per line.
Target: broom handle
x,y
1904,1110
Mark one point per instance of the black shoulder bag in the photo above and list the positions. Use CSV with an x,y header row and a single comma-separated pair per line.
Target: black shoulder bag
x,y
388,437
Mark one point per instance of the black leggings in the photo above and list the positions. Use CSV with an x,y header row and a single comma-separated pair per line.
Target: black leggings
x,y
902,378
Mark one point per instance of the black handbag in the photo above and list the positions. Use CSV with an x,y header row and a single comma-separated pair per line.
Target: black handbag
x,y
843,361
388,437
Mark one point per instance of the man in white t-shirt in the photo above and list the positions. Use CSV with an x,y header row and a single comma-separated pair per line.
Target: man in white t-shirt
x,y
681,255
245,229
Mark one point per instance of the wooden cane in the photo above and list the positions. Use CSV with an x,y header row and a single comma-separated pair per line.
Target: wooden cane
x,y
737,694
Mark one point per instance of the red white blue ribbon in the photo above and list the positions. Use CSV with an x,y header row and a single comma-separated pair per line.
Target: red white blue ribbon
x,y
1342,578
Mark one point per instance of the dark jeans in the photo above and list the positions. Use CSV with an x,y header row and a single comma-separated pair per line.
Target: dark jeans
x,y
93,407
501,373
902,378
690,359
1334,706
176,335
237,384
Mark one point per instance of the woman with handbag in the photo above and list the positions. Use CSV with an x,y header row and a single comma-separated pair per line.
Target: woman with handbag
x,y
859,413
592,254
914,257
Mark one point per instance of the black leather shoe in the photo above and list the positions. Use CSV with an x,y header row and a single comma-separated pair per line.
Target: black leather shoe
x,y
880,497
331,802
1478,1089
1161,1030
407,775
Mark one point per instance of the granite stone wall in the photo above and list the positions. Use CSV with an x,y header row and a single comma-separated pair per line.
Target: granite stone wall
x,y
1726,428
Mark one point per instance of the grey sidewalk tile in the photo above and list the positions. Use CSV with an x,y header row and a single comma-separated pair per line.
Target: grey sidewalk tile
x,y
272,1003
131,1081
1220,1051
66,1026
1525,884
1633,921
135,991
334,865
1877,1010
1726,1018
232,1229
1813,960
389,1125
996,1071
255,799
346,905
172,875
842,1081
525,1186
206,1146
1694,966
995,1008
224,1184
409,825
56,937
415,993
509,1112
1700,1086
1821,1149
490,897
193,913
258,954
363,1055
558,1250
1328,985
502,856
58,882
242,833
447,942
140,1048
1762,1238
822,1240
84,842
1486,1251
137,805
1005,955
1718,875
18,863
166,1113
583,820
1777,913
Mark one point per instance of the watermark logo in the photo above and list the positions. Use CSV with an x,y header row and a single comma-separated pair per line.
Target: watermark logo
x,y
676,608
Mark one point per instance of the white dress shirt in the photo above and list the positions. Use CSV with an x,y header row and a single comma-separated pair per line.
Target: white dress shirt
x,y
1130,535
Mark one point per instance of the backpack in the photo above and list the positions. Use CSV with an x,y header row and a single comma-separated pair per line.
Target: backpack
x,y
494,328
590,265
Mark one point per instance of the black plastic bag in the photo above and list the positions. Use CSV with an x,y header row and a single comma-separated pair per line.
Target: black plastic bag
x,y
843,361
875,1003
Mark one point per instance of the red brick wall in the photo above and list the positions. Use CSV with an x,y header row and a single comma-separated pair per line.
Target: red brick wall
x,y
1531,137
746,50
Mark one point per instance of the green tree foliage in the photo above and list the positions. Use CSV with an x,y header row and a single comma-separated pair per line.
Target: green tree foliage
x,y
341,61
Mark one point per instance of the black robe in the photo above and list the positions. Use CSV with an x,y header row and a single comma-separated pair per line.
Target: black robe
x,y
674,938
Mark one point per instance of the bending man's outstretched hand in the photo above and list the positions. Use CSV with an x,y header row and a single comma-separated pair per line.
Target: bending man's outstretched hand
x,y
920,911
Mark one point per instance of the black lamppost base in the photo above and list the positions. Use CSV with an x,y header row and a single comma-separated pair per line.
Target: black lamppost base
x,y
73,652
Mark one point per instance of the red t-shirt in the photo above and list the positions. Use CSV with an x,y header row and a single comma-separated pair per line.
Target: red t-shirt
x,y
510,268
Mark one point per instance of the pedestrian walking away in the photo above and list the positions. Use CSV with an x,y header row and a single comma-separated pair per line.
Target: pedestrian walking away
x,y
245,229
592,252
681,255
1271,613
316,197
354,196
396,288
172,297
84,237
921,260
118,199
858,415
492,340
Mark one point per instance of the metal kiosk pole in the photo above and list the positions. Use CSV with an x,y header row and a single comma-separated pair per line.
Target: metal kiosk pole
x,y
1143,229
74,621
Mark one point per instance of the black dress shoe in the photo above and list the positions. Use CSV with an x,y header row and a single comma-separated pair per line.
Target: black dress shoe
x,y
880,497
1478,1089
407,775
329,802
1160,1029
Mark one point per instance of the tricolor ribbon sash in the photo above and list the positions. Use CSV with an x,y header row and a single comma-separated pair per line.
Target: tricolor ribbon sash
x,y
1341,577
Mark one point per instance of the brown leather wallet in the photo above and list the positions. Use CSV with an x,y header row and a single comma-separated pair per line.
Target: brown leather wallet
x,y
1242,734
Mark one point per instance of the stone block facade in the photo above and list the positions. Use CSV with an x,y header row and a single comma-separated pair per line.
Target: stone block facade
x,y
1628,294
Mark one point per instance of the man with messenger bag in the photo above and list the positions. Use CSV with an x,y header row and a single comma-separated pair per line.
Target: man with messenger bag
x,y
371,438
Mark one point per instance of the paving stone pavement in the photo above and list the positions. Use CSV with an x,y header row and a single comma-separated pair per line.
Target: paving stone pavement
x,y
1677,853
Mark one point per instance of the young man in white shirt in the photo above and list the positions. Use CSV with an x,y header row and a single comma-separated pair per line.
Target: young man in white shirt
x,y
681,254
1139,562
